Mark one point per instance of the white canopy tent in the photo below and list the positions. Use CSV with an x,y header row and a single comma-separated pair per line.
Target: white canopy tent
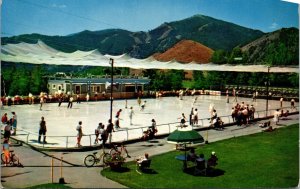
x,y
40,53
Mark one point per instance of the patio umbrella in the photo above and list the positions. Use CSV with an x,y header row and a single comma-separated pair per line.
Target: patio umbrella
x,y
185,136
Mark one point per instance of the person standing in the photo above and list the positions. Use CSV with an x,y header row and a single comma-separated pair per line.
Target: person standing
x,y
97,132
119,112
227,96
192,117
78,99
14,123
293,104
276,116
182,120
5,149
281,102
196,116
143,105
117,122
109,130
131,112
79,133
7,129
87,97
60,100
41,100
42,131
234,95
70,104
139,101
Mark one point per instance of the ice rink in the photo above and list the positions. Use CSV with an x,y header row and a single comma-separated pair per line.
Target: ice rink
x,y
62,121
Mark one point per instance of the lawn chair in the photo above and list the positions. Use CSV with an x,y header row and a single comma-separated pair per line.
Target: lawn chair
x,y
200,168
144,166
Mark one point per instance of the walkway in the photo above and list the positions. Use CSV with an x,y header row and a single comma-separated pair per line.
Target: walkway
x,y
37,164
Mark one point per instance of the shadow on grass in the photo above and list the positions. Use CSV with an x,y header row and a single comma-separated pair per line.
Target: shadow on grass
x,y
149,171
121,170
209,173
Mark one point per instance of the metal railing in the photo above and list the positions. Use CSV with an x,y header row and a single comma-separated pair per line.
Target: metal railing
x,y
127,134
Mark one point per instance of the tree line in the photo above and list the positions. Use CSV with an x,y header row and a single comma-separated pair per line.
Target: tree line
x,y
20,79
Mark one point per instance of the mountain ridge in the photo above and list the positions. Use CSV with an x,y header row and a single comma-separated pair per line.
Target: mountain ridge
x,y
211,32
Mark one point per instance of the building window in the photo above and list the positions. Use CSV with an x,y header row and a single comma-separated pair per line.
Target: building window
x,y
59,87
53,86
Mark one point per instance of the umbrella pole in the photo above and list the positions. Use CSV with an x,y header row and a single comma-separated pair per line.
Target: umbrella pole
x,y
206,142
185,158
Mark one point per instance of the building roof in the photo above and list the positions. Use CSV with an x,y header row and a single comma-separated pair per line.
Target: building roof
x,y
101,80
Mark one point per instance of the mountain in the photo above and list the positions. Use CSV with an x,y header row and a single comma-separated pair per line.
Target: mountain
x,y
280,47
186,51
213,33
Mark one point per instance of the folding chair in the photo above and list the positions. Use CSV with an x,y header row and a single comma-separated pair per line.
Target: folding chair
x,y
143,166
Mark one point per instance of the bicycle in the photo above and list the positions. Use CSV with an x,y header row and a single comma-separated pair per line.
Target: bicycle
x,y
114,150
13,159
92,159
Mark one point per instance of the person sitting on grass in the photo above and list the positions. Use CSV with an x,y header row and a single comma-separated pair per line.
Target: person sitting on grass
x,y
141,159
212,161
192,156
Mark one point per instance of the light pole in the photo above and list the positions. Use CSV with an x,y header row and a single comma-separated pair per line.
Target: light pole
x,y
267,85
111,86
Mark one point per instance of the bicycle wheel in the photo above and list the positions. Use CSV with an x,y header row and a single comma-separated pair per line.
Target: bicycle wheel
x,y
14,160
113,151
2,158
106,157
89,160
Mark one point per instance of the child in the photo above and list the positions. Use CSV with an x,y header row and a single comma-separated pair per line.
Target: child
x,y
5,149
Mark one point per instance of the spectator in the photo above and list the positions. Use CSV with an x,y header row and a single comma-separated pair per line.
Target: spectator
x,y
212,161
141,159
14,123
276,116
7,129
192,156
109,130
97,133
4,118
5,148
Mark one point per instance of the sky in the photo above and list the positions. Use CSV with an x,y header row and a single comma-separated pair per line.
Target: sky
x,y
64,17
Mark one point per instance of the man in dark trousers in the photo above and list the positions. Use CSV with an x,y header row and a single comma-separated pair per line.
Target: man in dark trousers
x,y
42,131
109,130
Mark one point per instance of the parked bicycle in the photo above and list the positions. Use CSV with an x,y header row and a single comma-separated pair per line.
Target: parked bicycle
x,y
114,149
13,159
92,159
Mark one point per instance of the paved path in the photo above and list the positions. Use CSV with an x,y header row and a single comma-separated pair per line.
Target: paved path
x,y
37,168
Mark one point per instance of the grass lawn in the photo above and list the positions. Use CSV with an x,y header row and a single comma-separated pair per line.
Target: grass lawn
x,y
50,185
268,159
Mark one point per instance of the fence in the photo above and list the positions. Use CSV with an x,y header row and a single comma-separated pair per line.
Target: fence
x,y
128,134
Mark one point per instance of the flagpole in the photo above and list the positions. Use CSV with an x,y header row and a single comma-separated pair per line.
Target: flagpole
x,y
111,86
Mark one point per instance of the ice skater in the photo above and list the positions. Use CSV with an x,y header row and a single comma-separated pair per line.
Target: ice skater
x,y
131,112
143,105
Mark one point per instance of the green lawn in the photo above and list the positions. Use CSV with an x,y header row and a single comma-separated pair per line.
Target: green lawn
x,y
269,159
50,185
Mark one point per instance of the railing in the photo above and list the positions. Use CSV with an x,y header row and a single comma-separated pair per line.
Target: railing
x,y
127,133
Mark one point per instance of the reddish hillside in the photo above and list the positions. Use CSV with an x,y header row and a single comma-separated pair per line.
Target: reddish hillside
x,y
186,51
